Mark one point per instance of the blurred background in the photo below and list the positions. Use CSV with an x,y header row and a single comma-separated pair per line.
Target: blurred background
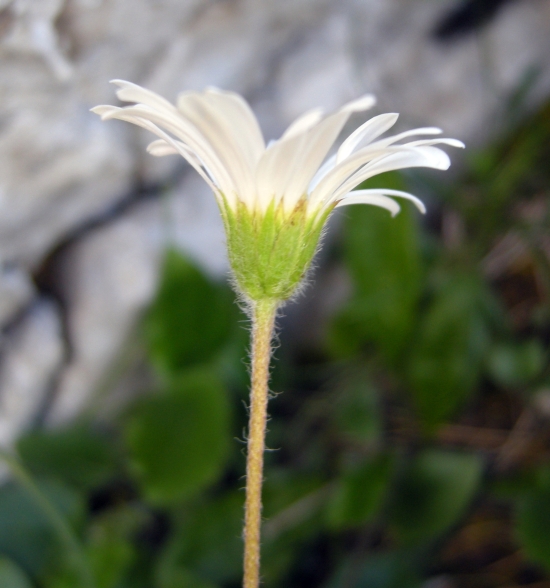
x,y
410,439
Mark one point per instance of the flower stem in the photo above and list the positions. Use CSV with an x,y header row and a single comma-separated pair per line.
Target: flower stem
x,y
263,321
58,523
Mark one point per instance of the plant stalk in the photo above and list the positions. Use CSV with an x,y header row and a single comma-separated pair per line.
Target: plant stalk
x,y
263,321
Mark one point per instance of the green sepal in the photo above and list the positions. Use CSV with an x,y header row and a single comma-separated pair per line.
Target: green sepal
x,y
270,251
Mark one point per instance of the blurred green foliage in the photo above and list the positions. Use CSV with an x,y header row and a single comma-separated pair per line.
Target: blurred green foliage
x,y
26,534
389,569
383,257
190,319
79,455
110,548
12,576
435,489
409,444
203,542
533,519
444,364
178,441
359,494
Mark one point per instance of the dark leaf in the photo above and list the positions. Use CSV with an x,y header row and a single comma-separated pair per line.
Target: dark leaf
x,y
78,455
445,362
179,440
360,494
382,254
434,491
191,318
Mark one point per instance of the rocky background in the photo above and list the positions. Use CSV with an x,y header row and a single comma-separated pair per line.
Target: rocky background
x,y
85,213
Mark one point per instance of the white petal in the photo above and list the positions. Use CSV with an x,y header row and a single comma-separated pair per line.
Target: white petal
x,y
233,150
303,123
367,132
339,173
450,142
296,182
160,147
275,168
287,167
218,183
399,159
133,93
103,110
184,130
347,170
434,157
419,131
322,172
129,92
382,201
364,103
395,138
387,192
185,152
242,120
318,142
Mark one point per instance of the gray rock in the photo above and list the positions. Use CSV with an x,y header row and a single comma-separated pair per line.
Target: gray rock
x,y
106,279
110,276
32,353
16,291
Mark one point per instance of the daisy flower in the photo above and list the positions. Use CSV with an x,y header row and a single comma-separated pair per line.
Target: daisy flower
x,y
275,198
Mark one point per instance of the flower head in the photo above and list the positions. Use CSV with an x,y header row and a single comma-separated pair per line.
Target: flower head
x,y
275,199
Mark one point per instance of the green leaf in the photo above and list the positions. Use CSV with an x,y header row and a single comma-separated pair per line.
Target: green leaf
x,y
109,547
191,318
360,494
11,575
110,559
206,543
26,534
434,491
513,485
392,569
293,507
183,578
533,522
382,255
79,455
444,364
179,440
512,365
356,410
284,487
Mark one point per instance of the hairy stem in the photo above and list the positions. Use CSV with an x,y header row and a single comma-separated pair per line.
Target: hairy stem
x,y
58,523
263,321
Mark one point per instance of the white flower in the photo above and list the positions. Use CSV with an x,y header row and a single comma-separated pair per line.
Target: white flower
x,y
217,133
275,199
